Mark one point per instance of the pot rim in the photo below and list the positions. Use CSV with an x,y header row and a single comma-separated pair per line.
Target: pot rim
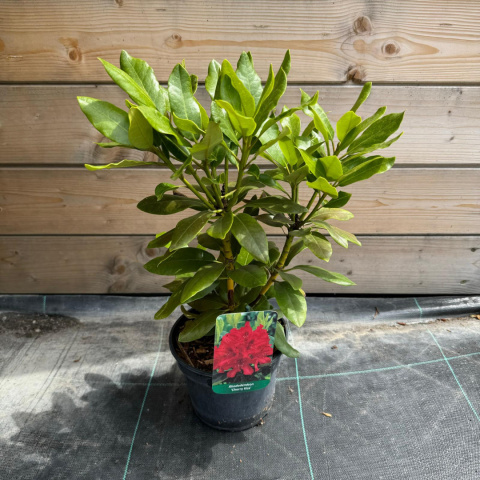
x,y
171,342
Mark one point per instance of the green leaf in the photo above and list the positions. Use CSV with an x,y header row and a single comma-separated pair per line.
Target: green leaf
x,y
220,116
209,242
185,260
186,125
136,92
251,236
321,121
267,89
291,122
343,198
112,144
289,150
298,175
353,134
293,280
162,240
322,185
213,137
172,303
244,125
188,228
270,102
308,101
277,220
199,327
332,167
322,124
226,92
161,188
249,77
244,258
286,62
159,122
122,164
273,141
143,75
168,205
347,122
376,146
295,249
212,78
273,151
332,213
194,83
363,96
109,120
378,132
282,344
246,98
318,245
291,302
179,172
204,277
222,226
140,132
340,236
277,205
181,97
249,276
367,170
331,277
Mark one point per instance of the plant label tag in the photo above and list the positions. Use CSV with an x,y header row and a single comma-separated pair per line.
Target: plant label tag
x,y
242,357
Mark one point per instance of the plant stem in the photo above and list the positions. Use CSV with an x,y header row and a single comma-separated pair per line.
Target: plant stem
x,y
229,265
195,175
309,204
279,265
316,208
241,169
170,165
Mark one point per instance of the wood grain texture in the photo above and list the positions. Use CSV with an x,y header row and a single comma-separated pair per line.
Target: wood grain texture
x,y
76,201
96,264
44,125
388,41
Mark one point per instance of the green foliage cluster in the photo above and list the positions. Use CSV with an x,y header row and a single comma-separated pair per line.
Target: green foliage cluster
x,y
220,256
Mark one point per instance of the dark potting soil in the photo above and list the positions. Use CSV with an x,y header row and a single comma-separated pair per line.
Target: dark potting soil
x,y
34,324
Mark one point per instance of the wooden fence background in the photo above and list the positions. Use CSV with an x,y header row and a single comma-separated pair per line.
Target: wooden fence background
x,y
66,230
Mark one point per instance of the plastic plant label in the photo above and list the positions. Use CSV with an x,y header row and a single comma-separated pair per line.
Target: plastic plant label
x,y
242,357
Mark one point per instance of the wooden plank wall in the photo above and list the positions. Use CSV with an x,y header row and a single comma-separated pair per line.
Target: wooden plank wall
x,y
66,230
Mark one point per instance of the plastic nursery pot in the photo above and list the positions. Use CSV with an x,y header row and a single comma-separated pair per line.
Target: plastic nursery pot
x,y
231,412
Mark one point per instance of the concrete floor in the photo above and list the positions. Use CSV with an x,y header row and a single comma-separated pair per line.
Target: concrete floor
x,y
90,391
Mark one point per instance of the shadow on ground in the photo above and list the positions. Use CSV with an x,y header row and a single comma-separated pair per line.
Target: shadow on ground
x,y
91,437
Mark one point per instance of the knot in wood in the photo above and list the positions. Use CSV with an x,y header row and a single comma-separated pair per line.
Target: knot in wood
x,y
362,25
390,48
174,41
356,74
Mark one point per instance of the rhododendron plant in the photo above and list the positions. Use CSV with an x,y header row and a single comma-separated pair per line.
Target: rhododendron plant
x,y
241,167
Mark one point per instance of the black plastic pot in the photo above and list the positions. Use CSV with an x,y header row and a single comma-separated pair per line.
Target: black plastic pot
x,y
231,412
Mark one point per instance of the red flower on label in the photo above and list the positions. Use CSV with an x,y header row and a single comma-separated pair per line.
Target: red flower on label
x,y
242,350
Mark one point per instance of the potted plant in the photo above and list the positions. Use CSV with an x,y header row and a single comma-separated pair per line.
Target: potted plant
x,y
219,258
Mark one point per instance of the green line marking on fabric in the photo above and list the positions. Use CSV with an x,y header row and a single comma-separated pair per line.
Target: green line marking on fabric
x,y
303,423
419,308
455,376
143,403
